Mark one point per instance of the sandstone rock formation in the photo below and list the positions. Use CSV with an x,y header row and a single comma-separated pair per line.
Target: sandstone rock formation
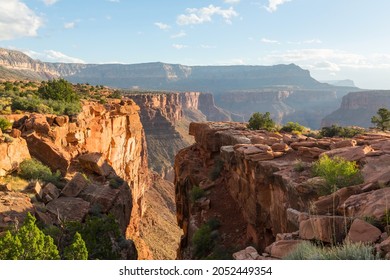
x,y
276,200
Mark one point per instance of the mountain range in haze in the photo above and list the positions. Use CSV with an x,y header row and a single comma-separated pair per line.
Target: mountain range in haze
x,y
288,92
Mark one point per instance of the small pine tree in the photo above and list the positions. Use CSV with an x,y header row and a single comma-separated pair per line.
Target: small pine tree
x,y
77,250
28,243
261,121
382,120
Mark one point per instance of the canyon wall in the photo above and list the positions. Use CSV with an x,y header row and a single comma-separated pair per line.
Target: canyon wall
x,y
166,117
107,144
270,185
357,108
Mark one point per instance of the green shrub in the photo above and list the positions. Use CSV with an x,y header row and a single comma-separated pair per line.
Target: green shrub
x,y
202,241
32,169
116,182
196,193
217,169
58,90
299,166
336,130
77,250
347,251
28,243
337,172
293,127
261,121
116,94
5,124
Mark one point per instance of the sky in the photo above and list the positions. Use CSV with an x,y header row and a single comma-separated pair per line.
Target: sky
x,y
333,39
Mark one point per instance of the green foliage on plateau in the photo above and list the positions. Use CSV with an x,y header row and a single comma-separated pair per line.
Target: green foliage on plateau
x,y
261,121
347,251
204,239
28,243
32,169
336,130
293,127
337,172
382,119
58,90
5,124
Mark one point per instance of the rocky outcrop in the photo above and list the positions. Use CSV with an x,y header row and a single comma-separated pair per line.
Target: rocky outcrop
x,y
269,178
357,108
105,140
12,152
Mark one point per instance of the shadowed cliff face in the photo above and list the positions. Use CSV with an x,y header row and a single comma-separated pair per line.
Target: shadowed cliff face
x,y
270,195
166,117
357,108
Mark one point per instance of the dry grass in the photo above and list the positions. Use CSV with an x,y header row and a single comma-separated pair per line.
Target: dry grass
x,y
17,184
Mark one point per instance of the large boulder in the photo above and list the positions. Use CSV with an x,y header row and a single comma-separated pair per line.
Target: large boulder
x,y
69,208
371,204
329,229
76,185
95,162
282,248
12,154
364,232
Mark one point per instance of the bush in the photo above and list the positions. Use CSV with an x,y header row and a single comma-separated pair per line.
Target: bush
x,y
32,169
58,90
337,172
299,166
336,130
293,127
348,251
5,124
28,243
202,241
77,250
196,193
217,169
261,121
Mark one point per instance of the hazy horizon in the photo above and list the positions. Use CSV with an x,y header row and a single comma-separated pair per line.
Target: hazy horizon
x,y
334,40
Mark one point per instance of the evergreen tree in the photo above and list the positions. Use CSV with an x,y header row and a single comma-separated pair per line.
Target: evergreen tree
x,y
382,120
77,250
28,243
261,121
58,90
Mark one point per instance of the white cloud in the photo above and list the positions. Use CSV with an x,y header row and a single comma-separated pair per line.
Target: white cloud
x,y
273,5
231,1
53,56
69,25
179,35
205,14
17,20
269,41
162,26
50,2
179,46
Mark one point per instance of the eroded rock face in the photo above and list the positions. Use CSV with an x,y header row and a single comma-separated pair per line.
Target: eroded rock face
x,y
269,177
13,209
110,141
12,154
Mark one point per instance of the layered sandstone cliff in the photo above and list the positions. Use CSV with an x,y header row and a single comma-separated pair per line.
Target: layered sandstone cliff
x,y
268,193
357,108
107,144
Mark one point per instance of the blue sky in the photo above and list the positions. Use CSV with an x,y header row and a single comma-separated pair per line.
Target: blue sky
x,y
334,39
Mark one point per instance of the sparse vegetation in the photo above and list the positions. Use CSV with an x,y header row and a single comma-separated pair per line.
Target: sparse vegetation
x,y
382,119
116,182
299,166
5,124
336,130
217,169
261,121
196,193
347,251
293,127
32,169
337,172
